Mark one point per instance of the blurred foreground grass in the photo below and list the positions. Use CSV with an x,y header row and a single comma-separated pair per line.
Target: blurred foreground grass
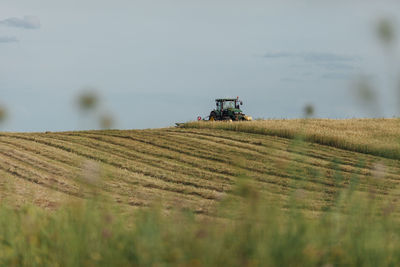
x,y
251,232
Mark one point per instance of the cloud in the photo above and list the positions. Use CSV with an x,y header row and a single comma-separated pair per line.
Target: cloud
x,y
27,22
328,57
331,66
336,76
336,66
291,79
312,57
280,55
8,39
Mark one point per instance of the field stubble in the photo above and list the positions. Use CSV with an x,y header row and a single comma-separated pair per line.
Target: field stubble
x,y
197,165
265,193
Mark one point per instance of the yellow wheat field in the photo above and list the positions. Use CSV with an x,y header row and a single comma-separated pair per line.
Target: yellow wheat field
x,y
374,136
197,165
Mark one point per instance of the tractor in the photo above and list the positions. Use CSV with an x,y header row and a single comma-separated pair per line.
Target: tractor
x,y
228,109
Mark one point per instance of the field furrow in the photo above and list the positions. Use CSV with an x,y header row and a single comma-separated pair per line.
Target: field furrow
x,y
145,147
102,152
22,170
96,156
188,167
323,152
304,157
177,164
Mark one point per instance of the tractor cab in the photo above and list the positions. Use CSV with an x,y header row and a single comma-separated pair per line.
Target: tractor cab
x,y
228,109
227,104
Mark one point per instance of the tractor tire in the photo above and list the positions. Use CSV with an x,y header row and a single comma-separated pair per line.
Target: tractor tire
x,y
213,116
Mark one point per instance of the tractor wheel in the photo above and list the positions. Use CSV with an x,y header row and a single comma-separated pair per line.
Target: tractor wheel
x,y
213,116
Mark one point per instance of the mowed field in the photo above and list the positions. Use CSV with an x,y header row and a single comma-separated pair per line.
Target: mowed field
x,y
197,165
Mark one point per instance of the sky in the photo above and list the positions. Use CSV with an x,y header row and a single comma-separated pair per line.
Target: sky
x,y
154,63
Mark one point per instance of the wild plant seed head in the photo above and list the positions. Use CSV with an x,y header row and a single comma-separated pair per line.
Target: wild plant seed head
x,y
88,100
309,111
385,31
3,114
106,121
91,172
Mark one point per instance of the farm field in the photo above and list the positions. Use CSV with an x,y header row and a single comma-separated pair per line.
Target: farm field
x,y
264,193
197,165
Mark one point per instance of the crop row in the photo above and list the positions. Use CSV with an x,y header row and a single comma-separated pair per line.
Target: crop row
x,y
192,167
375,137
122,180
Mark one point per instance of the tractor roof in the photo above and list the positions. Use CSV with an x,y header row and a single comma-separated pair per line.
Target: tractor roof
x,y
225,99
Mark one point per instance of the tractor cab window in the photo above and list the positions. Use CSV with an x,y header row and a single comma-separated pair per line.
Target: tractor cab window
x,y
218,105
229,104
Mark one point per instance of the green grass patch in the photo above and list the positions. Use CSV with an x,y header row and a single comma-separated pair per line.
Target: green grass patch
x,y
357,230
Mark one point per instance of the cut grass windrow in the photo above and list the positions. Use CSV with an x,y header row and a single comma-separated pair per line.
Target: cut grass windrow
x,y
195,167
104,158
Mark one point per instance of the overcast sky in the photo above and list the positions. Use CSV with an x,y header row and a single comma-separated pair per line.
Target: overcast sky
x,y
159,62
